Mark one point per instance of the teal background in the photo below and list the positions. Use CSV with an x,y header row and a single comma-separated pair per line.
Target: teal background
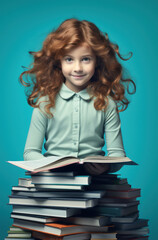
x,y
133,26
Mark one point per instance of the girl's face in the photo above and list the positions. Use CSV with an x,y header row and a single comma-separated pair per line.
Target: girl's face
x,y
78,67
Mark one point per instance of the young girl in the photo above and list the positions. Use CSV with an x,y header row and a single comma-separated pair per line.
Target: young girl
x,y
76,88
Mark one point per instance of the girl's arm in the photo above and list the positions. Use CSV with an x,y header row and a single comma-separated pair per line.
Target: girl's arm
x,y
36,134
112,128
113,135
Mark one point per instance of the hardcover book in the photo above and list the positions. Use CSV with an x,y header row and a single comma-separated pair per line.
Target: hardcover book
x,y
56,162
45,236
53,202
46,211
57,228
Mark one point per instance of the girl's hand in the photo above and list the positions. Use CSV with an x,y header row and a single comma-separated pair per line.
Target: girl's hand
x,y
96,168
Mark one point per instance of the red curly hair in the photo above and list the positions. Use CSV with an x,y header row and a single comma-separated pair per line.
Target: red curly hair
x,y
46,77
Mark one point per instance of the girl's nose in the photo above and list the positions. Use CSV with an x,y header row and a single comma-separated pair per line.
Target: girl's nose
x,y
78,66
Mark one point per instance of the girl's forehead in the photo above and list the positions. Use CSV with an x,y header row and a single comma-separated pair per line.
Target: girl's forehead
x,y
83,48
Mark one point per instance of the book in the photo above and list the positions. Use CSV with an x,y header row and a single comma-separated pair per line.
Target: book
x,y
127,204
103,235
117,200
44,187
114,211
34,218
110,181
46,211
12,238
139,231
59,187
131,193
108,175
57,228
52,162
139,223
127,219
16,229
59,180
132,237
72,194
22,188
53,202
79,219
109,186
104,238
80,236
52,173
25,182
88,220
19,235
16,233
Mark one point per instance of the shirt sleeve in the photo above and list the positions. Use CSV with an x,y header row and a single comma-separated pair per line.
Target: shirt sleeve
x,y
113,134
36,134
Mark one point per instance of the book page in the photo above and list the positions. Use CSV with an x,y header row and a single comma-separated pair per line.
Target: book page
x,y
108,159
35,164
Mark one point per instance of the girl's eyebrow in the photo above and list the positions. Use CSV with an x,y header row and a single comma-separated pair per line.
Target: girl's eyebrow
x,y
85,55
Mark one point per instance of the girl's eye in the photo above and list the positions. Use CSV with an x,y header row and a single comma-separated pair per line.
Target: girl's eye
x,y
68,59
86,59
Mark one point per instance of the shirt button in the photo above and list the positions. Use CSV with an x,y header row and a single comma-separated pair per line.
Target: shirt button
x,y
77,96
74,143
76,109
76,126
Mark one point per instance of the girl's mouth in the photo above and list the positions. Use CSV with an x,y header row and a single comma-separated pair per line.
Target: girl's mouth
x,y
77,76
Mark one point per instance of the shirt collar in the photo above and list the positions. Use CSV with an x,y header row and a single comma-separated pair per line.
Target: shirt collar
x,y
67,93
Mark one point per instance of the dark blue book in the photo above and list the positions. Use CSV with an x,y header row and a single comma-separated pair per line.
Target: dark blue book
x,y
115,211
139,223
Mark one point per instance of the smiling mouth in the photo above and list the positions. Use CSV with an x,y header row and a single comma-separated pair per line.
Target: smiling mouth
x,y
78,76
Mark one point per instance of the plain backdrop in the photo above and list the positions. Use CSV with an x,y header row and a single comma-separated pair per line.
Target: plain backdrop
x,y
133,26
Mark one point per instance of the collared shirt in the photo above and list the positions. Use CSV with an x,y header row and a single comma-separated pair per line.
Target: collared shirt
x,y
76,129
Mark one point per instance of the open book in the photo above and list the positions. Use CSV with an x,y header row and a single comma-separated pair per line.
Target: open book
x,y
52,162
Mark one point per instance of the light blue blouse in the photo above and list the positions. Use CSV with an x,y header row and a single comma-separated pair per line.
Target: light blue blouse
x,y
76,129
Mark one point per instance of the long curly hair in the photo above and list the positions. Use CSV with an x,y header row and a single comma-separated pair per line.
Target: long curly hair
x,y
45,73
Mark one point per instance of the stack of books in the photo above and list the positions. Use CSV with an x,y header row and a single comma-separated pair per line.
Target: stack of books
x,y
121,205
54,203
16,233
63,205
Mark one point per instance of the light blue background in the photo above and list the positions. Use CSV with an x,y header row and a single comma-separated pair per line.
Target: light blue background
x,y
133,26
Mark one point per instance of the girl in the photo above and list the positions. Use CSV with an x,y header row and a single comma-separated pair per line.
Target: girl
x,y
76,88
